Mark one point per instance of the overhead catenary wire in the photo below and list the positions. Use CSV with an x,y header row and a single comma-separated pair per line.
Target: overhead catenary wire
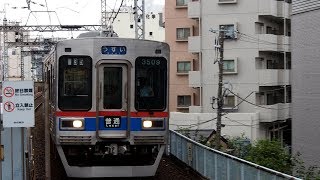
x,y
117,11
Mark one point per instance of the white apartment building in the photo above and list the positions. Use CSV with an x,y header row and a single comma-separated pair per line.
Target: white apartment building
x,y
124,25
257,63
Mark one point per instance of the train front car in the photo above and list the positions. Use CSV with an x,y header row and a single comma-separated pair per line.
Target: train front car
x,y
111,116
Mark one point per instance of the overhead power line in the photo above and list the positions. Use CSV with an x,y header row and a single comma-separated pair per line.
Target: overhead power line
x,y
255,104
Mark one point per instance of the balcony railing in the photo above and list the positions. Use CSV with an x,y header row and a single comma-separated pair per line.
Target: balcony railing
x,y
194,10
271,42
273,77
194,44
270,113
274,8
194,79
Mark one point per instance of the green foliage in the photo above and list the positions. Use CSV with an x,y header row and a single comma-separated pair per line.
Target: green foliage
x,y
270,154
239,146
300,170
184,131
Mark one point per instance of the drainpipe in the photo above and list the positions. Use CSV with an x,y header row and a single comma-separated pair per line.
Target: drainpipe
x,y
200,59
284,51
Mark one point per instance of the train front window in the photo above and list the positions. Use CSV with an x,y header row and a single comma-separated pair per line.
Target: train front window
x,y
150,83
112,90
75,81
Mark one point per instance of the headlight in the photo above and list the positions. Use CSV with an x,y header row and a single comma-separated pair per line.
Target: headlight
x,y
72,123
147,124
77,123
151,124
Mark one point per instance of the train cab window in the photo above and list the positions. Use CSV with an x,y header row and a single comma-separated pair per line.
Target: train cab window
x,y
75,82
150,83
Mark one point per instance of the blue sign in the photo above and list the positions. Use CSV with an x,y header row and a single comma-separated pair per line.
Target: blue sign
x,y
114,50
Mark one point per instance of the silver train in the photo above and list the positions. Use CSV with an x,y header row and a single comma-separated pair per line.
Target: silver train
x,y
108,105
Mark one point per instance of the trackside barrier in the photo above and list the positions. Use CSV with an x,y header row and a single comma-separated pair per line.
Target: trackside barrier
x,y
217,165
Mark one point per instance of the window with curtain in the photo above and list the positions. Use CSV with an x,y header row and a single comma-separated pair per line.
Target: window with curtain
x,y
183,33
182,2
183,66
184,101
229,101
229,66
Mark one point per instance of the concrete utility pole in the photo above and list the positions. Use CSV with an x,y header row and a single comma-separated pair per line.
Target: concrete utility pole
x,y
220,95
220,102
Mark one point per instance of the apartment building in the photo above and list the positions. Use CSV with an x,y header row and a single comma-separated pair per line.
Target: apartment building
x,y
257,63
306,84
124,25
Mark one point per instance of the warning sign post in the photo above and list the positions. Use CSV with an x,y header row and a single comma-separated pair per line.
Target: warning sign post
x,y
18,104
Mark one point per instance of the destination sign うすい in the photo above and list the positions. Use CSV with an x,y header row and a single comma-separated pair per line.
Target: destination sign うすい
x,y
114,50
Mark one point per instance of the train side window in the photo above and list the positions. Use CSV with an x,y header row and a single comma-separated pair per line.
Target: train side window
x,y
150,83
75,83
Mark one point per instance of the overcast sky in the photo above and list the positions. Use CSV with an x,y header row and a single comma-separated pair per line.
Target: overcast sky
x,y
66,12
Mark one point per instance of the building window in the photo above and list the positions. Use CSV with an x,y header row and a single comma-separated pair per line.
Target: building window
x,y
184,101
13,52
183,66
131,26
183,33
181,2
229,102
150,33
230,31
229,66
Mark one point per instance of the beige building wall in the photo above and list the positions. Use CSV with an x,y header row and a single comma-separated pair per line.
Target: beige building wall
x,y
177,17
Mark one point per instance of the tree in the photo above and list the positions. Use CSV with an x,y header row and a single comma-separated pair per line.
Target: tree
x,y
239,146
270,154
300,170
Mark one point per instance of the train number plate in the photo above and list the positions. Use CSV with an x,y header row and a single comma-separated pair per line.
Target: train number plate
x,y
112,121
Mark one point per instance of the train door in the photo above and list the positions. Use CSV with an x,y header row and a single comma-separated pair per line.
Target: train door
x,y
113,102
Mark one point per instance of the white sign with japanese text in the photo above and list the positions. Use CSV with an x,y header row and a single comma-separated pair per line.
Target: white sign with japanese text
x,y
18,104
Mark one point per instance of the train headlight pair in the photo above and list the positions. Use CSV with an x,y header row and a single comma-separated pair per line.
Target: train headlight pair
x,y
72,123
148,123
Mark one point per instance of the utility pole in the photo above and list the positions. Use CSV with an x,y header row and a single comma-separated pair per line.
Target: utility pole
x,y
220,95
220,102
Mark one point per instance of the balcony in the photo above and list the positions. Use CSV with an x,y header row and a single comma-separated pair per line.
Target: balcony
x,y
194,10
195,109
273,77
194,44
194,79
280,111
280,9
271,42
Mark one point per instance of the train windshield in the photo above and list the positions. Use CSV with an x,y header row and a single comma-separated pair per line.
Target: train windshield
x,y
75,83
151,83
